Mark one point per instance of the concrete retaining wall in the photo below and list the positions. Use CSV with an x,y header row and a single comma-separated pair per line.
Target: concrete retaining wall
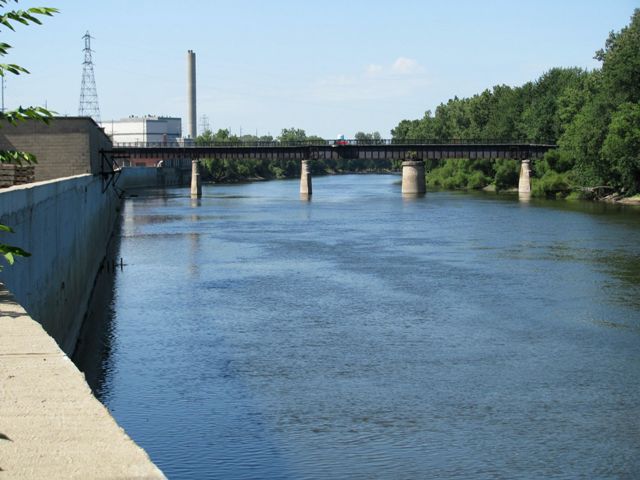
x,y
138,177
65,224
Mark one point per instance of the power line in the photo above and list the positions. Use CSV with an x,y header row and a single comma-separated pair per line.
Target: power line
x,y
89,106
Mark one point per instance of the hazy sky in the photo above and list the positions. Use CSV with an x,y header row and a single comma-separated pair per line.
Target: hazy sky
x,y
330,67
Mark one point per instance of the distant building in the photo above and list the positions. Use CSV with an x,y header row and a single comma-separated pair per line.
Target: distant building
x,y
147,129
140,130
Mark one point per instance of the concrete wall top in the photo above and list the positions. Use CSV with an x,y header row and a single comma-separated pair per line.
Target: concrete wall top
x,y
66,146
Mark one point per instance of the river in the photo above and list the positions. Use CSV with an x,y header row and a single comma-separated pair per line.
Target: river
x,y
362,335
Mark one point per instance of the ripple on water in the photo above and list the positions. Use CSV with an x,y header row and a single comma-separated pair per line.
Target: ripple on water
x,y
360,336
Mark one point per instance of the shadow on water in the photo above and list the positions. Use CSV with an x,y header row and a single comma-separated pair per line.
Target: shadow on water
x,y
95,343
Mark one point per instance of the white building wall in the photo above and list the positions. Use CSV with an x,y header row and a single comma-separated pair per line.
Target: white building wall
x,y
144,130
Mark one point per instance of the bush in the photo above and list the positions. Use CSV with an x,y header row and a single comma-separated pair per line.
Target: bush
x,y
507,173
458,173
550,185
477,180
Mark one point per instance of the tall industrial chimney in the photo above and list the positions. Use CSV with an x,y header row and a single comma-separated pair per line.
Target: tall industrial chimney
x,y
191,94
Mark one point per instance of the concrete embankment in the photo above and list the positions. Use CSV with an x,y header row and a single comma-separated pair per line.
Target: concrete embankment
x,y
51,425
138,177
65,224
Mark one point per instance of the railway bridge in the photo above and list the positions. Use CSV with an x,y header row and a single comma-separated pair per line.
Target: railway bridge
x,y
412,153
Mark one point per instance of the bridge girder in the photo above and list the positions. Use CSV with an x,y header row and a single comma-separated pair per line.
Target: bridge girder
x,y
516,151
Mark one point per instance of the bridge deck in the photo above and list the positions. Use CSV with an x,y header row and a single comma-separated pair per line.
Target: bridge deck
x,y
383,150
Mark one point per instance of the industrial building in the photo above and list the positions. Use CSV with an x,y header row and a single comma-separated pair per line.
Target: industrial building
x,y
147,129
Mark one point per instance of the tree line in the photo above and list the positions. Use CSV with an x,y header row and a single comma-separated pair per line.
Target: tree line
x,y
593,117
225,170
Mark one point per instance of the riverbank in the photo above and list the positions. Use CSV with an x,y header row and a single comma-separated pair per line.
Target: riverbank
x,y
622,200
52,426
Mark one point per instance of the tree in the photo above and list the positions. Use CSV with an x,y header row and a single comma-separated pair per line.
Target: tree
x,y
223,135
292,135
205,138
621,147
365,138
621,62
13,117
606,111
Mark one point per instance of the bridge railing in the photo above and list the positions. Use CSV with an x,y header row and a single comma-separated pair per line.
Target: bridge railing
x,y
333,143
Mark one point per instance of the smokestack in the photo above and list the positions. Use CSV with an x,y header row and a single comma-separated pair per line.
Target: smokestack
x,y
191,94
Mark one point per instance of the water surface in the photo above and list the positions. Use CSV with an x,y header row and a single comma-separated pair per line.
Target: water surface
x,y
363,335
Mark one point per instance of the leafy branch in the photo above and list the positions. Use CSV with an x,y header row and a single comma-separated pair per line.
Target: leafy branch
x,y
25,17
10,20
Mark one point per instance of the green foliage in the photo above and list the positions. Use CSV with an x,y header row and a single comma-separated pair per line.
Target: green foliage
x,y
592,116
532,112
621,62
550,185
9,252
477,180
506,174
23,16
621,147
599,138
458,173
220,170
292,135
368,138
223,135
12,117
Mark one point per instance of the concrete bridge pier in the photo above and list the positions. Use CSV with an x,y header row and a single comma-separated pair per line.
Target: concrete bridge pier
x,y
413,179
196,183
305,178
524,183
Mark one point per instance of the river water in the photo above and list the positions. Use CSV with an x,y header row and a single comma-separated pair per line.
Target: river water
x,y
363,335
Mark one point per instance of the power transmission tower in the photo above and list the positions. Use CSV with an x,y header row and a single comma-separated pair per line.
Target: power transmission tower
x,y
204,123
88,94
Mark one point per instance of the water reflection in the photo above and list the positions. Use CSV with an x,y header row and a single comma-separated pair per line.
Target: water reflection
x,y
524,197
195,256
97,337
410,197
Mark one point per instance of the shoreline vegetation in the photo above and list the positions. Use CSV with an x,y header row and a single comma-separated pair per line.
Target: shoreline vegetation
x,y
592,115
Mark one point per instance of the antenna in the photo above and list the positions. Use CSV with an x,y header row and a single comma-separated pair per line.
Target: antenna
x,y
88,94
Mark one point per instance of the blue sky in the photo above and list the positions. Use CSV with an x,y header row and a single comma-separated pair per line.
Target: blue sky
x,y
330,67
